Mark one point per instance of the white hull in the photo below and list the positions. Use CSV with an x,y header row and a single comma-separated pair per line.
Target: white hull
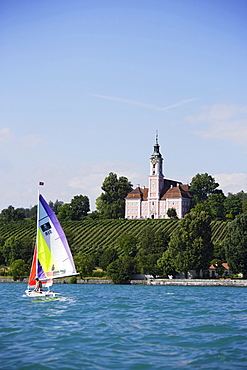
x,y
42,294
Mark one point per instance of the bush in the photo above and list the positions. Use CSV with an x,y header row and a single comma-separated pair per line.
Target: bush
x,y
19,269
73,280
99,273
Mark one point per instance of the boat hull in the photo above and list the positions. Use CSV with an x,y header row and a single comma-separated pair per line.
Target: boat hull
x,y
42,294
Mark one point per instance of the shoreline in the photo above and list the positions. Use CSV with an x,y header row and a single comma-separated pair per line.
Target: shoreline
x,y
156,282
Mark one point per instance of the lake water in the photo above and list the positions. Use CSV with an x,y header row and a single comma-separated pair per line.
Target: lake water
x,y
124,327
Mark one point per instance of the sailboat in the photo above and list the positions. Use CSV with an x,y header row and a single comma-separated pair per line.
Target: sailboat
x,y
52,258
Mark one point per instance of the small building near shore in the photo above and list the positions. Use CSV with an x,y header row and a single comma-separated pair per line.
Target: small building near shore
x,y
213,273
162,194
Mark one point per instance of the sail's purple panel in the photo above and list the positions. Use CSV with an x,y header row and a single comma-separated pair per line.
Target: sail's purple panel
x,y
58,227
40,271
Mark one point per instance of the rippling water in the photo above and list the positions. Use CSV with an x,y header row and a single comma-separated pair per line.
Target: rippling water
x,y
124,327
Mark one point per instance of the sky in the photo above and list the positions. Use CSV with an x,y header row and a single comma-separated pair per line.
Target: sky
x,y
85,85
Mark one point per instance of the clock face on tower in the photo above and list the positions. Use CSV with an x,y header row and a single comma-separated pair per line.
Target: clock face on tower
x,y
154,161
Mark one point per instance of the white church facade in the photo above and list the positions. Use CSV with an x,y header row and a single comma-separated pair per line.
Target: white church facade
x,y
162,194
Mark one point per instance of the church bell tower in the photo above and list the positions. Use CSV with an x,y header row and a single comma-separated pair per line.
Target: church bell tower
x,y
156,180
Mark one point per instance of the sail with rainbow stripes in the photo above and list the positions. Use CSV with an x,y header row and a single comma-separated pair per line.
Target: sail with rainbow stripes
x,y
52,256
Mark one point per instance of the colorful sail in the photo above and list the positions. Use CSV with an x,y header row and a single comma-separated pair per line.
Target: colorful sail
x,y
33,272
52,256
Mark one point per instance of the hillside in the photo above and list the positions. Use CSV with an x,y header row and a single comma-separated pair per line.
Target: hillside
x,y
88,236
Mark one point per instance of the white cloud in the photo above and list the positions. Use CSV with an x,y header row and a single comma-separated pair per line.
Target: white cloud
x,y
89,179
31,141
144,105
225,122
28,141
232,182
5,135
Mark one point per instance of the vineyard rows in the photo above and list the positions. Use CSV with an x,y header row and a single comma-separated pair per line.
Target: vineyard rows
x,y
88,236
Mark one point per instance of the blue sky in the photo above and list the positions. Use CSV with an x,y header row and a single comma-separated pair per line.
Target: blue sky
x,y
86,84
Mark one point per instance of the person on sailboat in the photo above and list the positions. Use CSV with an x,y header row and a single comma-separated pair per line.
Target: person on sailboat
x,y
38,286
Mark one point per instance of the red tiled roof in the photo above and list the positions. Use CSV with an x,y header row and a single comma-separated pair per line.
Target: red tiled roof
x,y
180,191
225,265
138,193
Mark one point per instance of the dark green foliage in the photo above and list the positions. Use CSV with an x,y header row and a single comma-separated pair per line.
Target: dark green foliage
x,y
236,245
172,213
111,203
152,245
167,263
73,280
55,206
108,256
233,205
19,269
2,259
99,274
12,214
190,247
245,205
84,264
76,210
64,212
79,207
216,206
128,244
202,185
121,270
219,252
17,248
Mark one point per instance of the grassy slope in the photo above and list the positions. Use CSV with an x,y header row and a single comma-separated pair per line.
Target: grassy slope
x,y
88,236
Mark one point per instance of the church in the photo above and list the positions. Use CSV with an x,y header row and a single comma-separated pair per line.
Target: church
x,y
162,194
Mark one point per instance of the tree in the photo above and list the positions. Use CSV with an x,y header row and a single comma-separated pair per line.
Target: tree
x,y
19,269
17,248
216,206
10,250
244,205
79,207
128,244
202,185
64,212
2,259
219,251
19,214
12,214
167,263
171,213
108,256
236,245
152,245
121,270
233,205
111,203
8,214
55,206
84,264
26,247
190,247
